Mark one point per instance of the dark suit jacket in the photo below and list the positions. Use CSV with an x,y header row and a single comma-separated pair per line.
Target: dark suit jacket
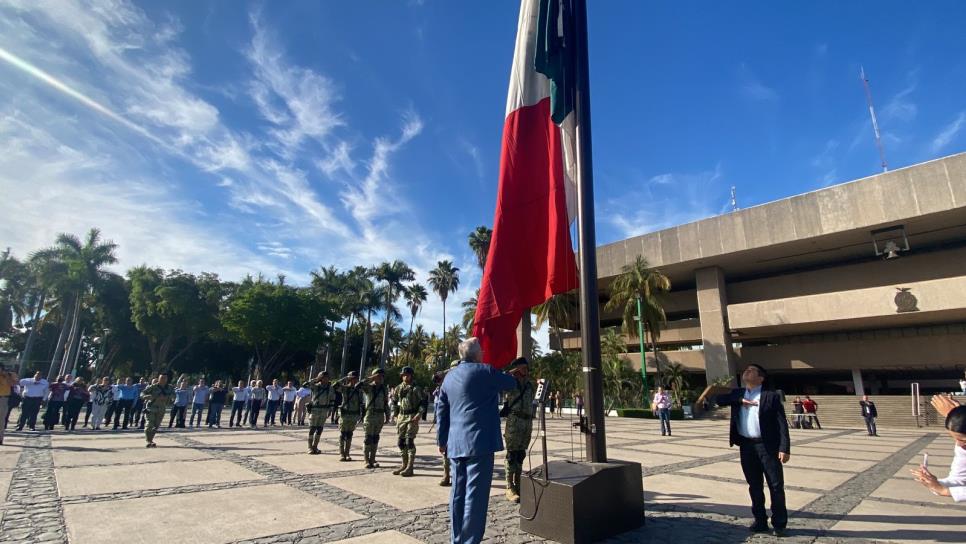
x,y
868,409
771,418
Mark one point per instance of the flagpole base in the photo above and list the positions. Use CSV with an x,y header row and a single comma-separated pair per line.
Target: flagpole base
x,y
582,502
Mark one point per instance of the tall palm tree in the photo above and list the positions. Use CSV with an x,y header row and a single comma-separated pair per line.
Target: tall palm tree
x,y
479,241
444,279
357,283
47,272
370,301
558,310
415,295
329,285
14,288
394,274
469,312
417,342
639,282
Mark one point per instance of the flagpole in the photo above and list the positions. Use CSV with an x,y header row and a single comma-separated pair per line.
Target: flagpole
x,y
589,309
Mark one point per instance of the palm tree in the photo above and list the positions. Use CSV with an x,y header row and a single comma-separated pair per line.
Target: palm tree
x,y
479,241
557,310
370,301
394,274
14,288
444,279
357,283
639,282
329,285
415,295
46,272
469,312
417,342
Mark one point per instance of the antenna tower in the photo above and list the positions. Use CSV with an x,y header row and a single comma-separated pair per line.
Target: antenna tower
x,y
734,199
875,122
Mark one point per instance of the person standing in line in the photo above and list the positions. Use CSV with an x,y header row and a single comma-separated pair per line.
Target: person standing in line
x,y
350,409
180,406
125,402
288,403
869,413
77,397
811,412
138,411
256,398
468,431
33,392
8,381
55,402
376,414
157,397
274,399
217,396
519,426
199,394
111,405
759,428
318,407
239,399
662,404
409,398
101,395
301,404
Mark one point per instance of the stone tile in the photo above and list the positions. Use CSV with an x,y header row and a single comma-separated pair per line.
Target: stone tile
x,y
97,444
645,458
4,485
708,443
730,499
125,456
317,464
884,521
8,460
406,494
117,479
812,450
909,490
268,448
673,449
799,477
243,438
212,517
382,537
846,465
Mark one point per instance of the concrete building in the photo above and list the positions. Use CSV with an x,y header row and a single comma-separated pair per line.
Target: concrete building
x,y
857,286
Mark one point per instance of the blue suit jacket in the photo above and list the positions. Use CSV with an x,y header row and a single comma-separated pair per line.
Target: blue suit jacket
x,y
468,412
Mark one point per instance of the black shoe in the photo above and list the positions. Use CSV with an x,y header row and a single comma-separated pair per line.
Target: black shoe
x,y
779,532
758,527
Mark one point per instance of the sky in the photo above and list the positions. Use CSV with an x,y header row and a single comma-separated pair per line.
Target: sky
x,y
278,137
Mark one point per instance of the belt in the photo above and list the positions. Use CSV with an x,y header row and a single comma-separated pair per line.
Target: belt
x,y
750,440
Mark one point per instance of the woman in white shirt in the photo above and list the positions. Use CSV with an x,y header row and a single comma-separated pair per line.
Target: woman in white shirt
x,y
953,485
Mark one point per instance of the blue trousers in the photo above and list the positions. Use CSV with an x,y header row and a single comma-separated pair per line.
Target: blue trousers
x,y
470,498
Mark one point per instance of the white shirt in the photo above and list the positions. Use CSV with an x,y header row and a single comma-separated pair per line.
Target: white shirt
x,y
748,424
956,481
661,400
31,388
241,393
303,392
288,394
200,393
274,392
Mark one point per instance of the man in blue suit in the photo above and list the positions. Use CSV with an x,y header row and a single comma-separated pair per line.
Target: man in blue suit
x,y
468,433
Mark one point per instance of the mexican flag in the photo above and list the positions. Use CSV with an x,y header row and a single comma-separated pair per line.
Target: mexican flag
x,y
531,256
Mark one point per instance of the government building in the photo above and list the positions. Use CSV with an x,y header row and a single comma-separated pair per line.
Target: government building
x,y
859,287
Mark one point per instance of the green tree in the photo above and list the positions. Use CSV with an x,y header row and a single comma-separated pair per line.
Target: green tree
x,y
479,241
444,279
558,311
356,283
330,285
394,274
469,312
415,296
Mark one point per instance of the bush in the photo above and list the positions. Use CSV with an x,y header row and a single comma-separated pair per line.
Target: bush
x,y
646,413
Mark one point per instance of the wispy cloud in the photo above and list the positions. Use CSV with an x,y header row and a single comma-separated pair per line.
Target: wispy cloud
x,y
948,133
900,107
474,154
753,88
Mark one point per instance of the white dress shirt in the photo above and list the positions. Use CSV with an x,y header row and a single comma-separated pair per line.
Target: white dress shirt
x,y
274,392
33,388
956,481
303,392
748,424
288,394
241,393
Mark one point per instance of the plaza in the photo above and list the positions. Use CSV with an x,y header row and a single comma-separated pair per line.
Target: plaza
x,y
221,486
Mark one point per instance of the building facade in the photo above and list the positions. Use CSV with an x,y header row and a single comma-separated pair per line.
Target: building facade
x,y
856,287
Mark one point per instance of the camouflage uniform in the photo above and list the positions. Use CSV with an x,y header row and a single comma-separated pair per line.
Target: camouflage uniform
x,y
156,398
409,399
519,428
320,401
376,414
350,411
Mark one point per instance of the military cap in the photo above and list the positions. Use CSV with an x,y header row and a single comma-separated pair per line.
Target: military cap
x,y
376,371
407,370
352,374
519,361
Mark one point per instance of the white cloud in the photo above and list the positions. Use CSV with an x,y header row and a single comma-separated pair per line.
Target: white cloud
x,y
900,107
753,88
948,133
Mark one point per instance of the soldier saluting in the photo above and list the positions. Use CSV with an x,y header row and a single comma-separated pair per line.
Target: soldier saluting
x,y
518,410
321,399
409,398
157,398
350,410
376,413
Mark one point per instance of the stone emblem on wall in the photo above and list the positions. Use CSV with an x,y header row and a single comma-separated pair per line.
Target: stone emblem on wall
x,y
905,300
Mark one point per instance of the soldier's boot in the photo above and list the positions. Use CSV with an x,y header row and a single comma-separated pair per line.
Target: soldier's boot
x,y
315,442
311,435
405,462
511,494
409,464
516,487
365,454
342,455
348,448
445,482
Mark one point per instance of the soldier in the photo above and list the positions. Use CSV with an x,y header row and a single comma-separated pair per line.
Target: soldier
x,y
518,409
438,380
157,397
376,413
320,401
350,410
409,398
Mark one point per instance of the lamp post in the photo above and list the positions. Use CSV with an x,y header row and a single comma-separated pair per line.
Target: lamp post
x,y
640,336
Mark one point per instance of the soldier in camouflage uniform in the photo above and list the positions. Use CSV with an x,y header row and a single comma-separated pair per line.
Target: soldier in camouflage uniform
x,y
438,380
518,409
409,398
350,409
320,401
157,398
376,413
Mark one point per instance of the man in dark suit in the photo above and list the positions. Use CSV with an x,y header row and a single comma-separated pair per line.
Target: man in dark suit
x,y
869,413
759,428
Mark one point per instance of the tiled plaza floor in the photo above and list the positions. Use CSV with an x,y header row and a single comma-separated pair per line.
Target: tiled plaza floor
x,y
202,486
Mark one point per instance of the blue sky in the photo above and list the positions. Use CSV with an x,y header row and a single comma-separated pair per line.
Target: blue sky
x,y
280,136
